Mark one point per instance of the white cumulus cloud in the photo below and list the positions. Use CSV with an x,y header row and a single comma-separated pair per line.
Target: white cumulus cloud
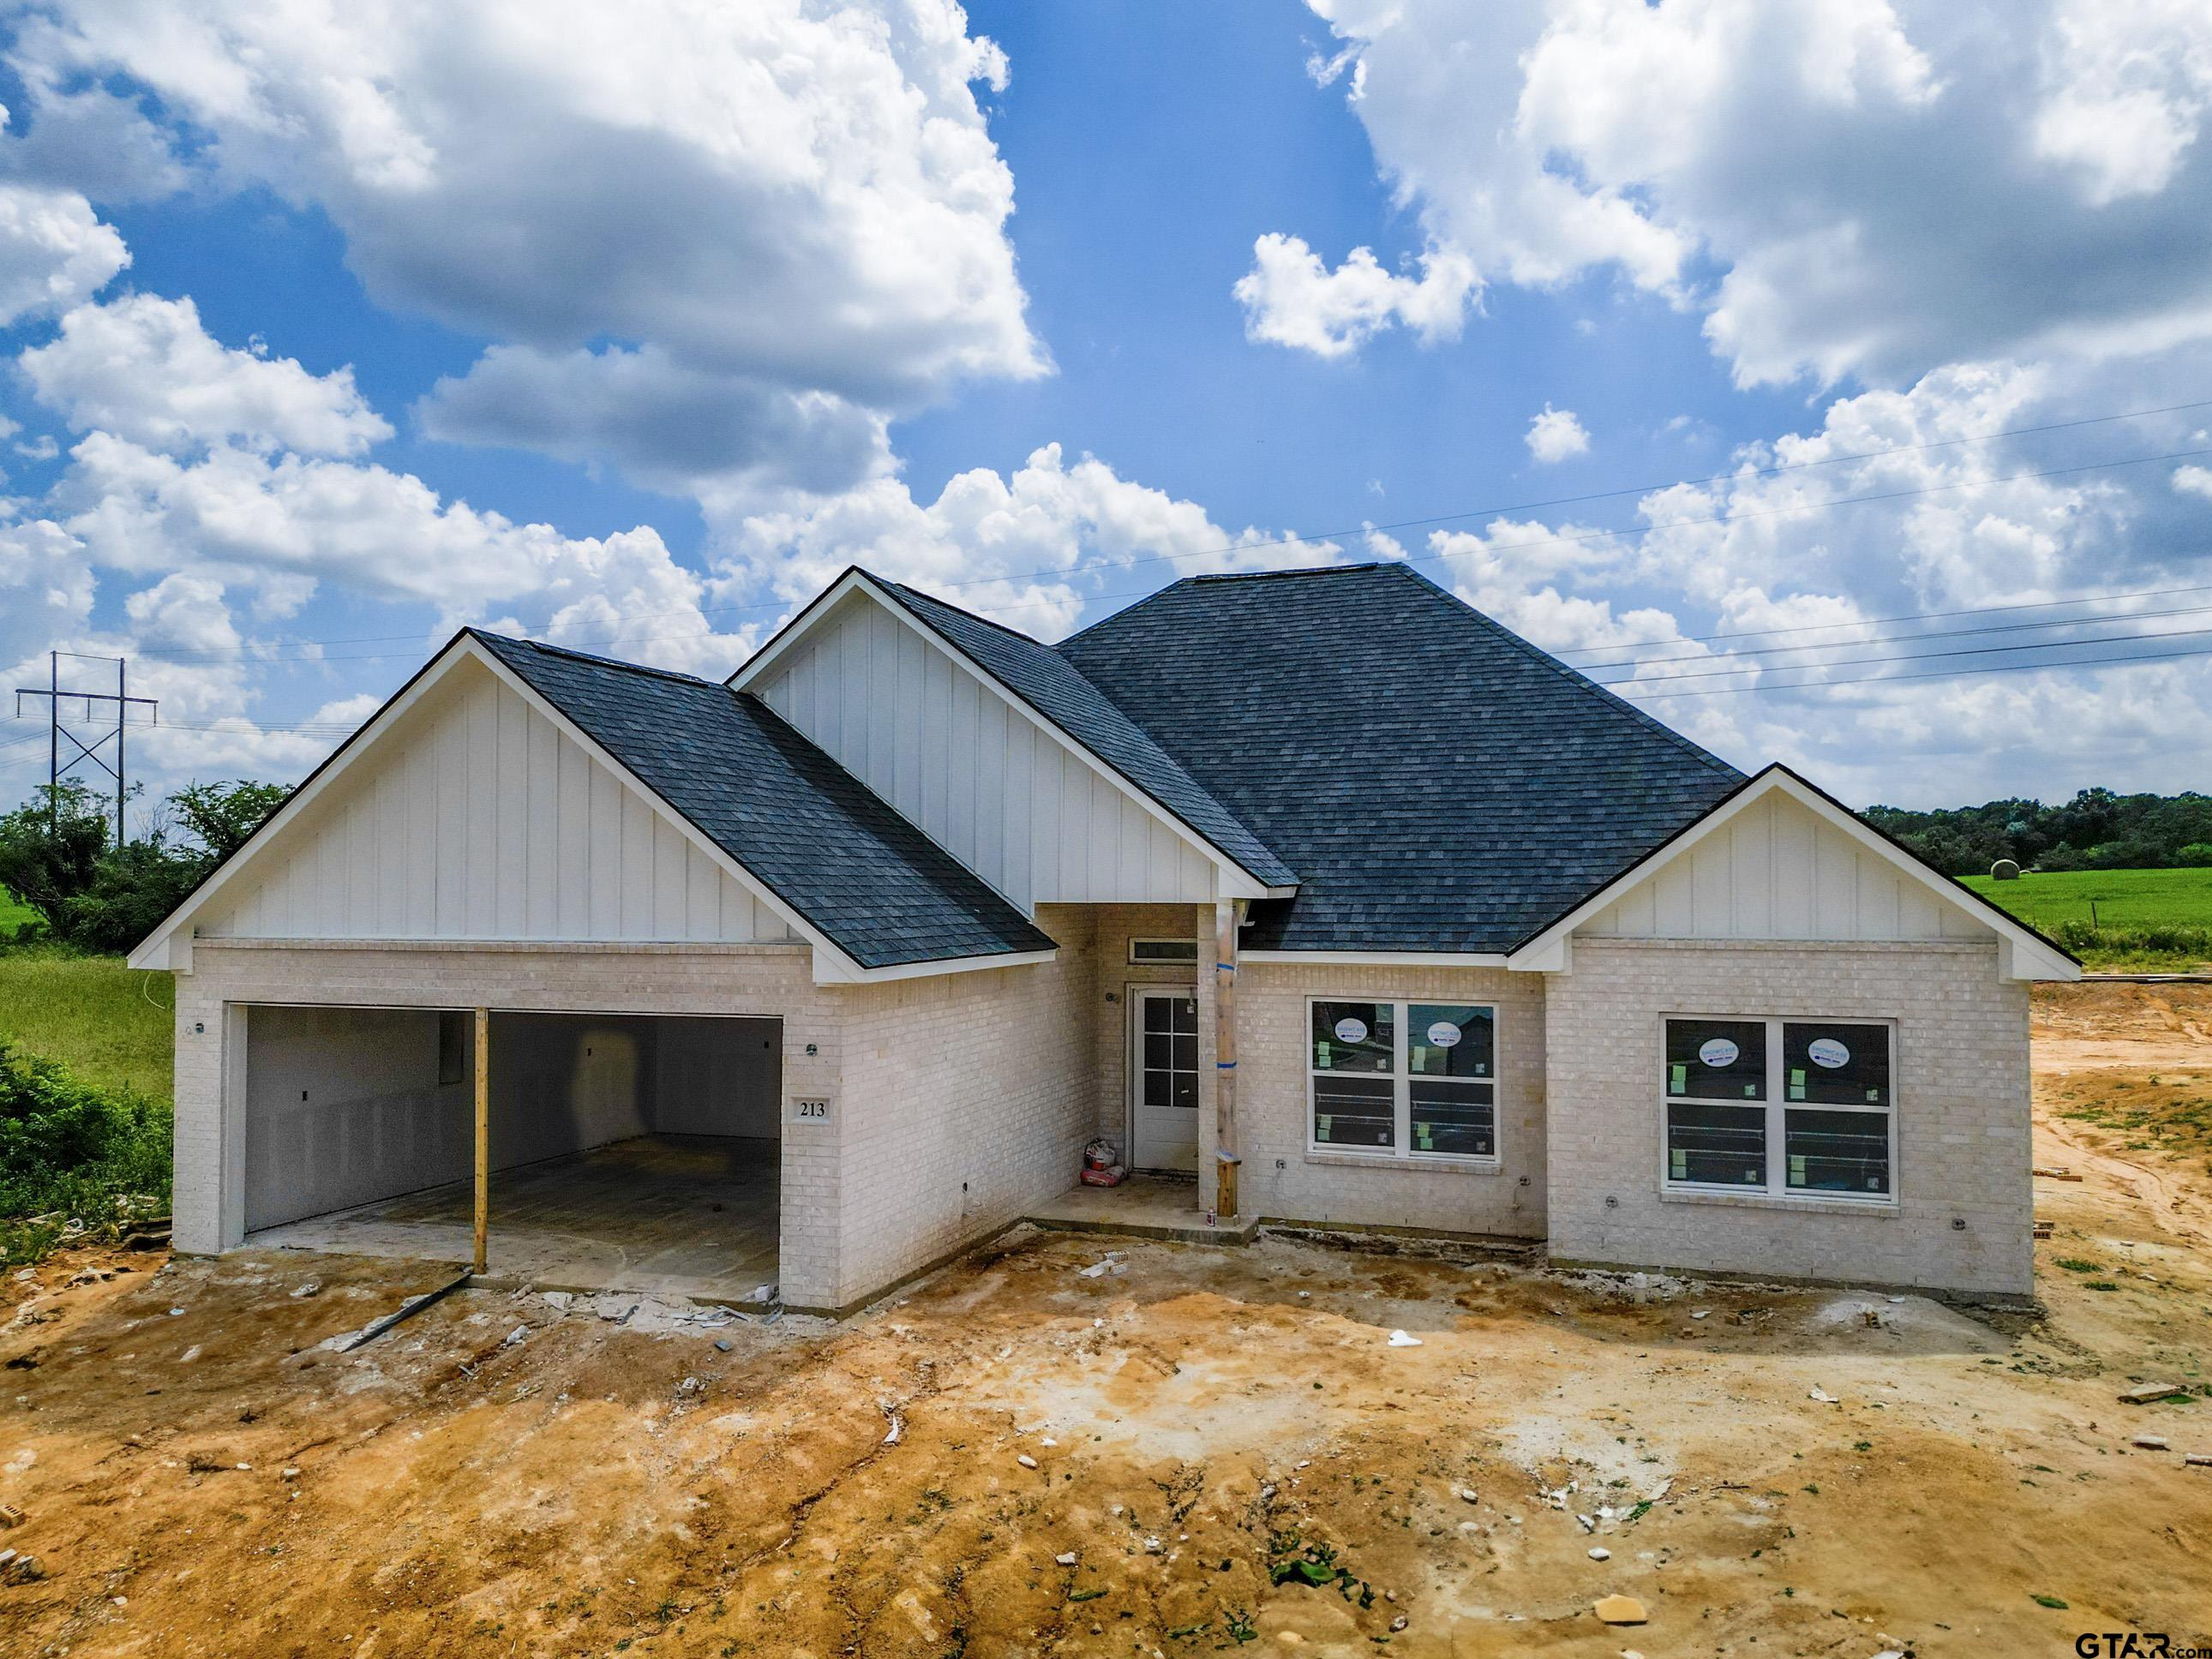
x,y
1843,188
142,368
790,216
1291,299
1555,435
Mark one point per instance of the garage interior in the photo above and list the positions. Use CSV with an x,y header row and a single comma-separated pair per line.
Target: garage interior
x,y
626,1152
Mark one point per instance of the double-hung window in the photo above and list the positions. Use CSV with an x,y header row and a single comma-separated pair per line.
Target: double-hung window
x,y
1403,1079
1781,1107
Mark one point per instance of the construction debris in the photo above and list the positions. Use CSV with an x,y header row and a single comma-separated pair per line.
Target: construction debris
x,y
1400,1340
2056,1172
2143,1393
2150,1441
1620,1610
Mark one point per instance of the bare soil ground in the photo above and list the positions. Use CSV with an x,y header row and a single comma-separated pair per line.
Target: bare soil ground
x,y
1794,1472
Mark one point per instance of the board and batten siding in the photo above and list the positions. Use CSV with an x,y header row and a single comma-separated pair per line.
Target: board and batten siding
x,y
480,818
1776,871
978,774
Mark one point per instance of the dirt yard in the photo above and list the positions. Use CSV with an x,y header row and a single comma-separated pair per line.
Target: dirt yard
x,y
1049,1449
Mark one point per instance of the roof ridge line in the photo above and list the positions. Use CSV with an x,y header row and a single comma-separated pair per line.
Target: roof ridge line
x,y
593,657
913,592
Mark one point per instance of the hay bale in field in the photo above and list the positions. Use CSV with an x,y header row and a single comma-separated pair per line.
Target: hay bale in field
x,y
2004,870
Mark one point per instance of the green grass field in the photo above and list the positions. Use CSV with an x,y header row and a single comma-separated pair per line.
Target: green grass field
x,y
12,914
2124,898
108,1026
2151,919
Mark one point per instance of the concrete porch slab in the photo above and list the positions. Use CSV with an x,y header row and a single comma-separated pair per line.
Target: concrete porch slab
x,y
1144,1206
663,1215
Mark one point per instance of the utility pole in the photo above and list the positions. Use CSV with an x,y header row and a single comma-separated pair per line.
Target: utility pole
x,y
57,769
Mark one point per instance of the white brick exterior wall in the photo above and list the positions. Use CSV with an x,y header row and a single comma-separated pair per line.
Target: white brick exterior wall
x,y
967,1101
1962,1100
1283,1178
961,1101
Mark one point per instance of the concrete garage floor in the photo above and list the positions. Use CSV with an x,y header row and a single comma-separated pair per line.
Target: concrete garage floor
x,y
668,1215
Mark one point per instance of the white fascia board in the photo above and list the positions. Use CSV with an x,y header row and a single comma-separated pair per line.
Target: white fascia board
x,y
1378,958
824,946
846,972
2021,954
1232,879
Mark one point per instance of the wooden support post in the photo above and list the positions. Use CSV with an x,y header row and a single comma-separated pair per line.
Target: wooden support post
x,y
1225,1152
484,1133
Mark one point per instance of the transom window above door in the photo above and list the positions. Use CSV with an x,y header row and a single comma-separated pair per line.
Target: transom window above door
x,y
1403,1079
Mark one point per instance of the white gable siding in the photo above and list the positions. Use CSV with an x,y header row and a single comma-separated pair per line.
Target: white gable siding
x,y
477,817
1776,871
978,776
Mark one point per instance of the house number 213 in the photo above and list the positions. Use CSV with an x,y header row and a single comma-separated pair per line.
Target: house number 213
x,y
805,1110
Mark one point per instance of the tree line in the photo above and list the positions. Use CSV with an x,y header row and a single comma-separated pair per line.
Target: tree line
x,y
2098,829
59,855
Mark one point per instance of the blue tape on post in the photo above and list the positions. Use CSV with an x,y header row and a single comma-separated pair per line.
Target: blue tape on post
x,y
1226,967
1224,1064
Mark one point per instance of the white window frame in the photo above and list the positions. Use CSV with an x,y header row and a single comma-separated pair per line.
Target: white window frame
x,y
1777,1189
1403,1152
1190,944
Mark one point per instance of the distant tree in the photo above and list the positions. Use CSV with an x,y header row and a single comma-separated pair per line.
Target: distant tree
x,y
49,849
133,886
220,816
2196,855
2096,829
56,856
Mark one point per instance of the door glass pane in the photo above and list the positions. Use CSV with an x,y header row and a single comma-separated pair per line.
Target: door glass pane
x,y
1354,1037
1719,1145
1717,1058
1354,1111
1170,1052
1837,1151
1454,1117
1448,1040
1831,1064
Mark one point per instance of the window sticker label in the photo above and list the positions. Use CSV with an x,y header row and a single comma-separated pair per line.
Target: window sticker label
x,y
1719,1051
1349,1030
1444,1035
1827,1052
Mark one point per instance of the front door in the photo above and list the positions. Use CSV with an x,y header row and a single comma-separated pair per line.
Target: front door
x,y
1164,1079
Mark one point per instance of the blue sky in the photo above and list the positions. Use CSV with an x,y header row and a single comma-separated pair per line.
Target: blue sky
x,y
327,334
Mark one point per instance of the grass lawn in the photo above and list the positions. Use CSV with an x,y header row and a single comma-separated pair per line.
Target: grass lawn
x,y
2154,920
107,1024
2124,898
13,912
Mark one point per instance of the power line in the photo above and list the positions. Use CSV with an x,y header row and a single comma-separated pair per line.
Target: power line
x,y
1082,567
1929,674
1879,622
1920,656
1902,639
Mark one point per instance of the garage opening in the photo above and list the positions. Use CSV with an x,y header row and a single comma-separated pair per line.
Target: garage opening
x,y
634,1152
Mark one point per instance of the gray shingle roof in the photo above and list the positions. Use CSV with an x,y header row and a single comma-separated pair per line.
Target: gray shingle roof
x,y
812,832
1437,783
1044,679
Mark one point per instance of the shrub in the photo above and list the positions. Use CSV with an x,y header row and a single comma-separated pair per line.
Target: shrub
x,y
71,1152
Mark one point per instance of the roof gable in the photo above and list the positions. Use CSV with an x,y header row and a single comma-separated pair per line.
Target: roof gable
x,y
875,896
816,837
1441,784
1050,693
1781,859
